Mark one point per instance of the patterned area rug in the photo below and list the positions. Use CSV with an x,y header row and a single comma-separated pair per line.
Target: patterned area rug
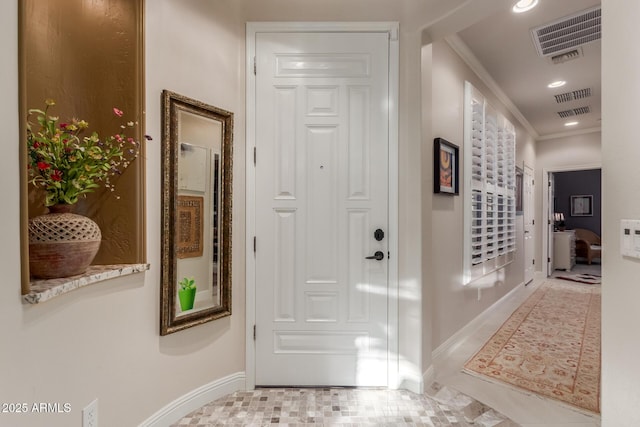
x,y
549,346
590,279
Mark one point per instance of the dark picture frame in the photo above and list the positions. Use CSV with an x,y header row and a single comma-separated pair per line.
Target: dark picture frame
x,y
446,167
582,205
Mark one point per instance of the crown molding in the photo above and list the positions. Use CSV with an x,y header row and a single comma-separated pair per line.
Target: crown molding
x,y
568,133
472,61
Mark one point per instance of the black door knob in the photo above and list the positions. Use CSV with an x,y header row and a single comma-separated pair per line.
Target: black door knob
x,y
378,256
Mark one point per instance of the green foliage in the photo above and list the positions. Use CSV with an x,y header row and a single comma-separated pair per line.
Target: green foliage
x,y
187,283
67,164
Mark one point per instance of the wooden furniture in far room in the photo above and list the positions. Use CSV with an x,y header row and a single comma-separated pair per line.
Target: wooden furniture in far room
x,y
588,244
564,249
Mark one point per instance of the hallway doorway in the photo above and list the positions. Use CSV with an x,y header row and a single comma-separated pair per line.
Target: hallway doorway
x,y
557,211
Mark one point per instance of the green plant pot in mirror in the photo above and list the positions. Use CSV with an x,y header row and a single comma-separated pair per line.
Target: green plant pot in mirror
x,y
187,293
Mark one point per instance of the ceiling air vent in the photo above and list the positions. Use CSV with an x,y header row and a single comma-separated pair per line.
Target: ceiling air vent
x,y
572,96
567,56
574,112
582,110
568,32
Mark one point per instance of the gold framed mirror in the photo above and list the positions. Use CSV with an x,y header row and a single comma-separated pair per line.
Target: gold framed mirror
x,y
197,148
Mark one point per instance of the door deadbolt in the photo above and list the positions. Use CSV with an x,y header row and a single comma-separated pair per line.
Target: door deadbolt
x,y
378,234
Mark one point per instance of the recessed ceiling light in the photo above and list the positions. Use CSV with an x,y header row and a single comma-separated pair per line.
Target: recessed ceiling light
x,y
524,5
571,123
557,83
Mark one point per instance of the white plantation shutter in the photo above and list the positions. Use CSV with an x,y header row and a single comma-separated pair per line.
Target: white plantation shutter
x,y
489,171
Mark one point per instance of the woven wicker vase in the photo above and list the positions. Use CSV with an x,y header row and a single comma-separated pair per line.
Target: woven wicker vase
x,y
61,244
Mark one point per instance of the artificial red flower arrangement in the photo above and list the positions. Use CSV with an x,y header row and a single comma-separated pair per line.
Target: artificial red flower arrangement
x,y
68,165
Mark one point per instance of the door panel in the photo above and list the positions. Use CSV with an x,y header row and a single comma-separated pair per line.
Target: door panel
x,y
284,269
529,229
321,192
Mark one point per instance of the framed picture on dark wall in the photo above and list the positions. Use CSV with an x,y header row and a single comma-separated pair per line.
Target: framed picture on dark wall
x,y
446,162
582,205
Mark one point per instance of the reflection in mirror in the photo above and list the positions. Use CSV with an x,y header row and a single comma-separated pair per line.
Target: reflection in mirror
x,y
196,248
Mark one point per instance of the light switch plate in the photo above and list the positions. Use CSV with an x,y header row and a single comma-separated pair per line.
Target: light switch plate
x,y
90,415
630,238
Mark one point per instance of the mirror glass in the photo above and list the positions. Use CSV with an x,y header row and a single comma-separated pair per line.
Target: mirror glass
x,y
196,253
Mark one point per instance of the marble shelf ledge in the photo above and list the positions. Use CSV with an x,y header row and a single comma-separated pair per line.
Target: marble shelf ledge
x,y
44,290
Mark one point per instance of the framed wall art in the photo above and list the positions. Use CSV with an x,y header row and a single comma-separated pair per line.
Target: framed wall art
x,y
192,167
190,219
446,162
582,205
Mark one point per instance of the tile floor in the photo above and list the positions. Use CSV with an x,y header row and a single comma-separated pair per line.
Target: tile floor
x,y
343,407
445,405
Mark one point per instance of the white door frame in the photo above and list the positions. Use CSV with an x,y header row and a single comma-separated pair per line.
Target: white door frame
x,y
530,205
261,27
545,206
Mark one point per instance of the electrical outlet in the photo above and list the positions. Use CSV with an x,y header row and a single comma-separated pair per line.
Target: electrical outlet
x,y
90,415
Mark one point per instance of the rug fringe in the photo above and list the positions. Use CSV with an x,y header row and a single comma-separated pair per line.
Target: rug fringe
x,y
529,393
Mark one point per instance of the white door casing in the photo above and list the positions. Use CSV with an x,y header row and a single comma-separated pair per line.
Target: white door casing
x,y
529,221
550,223
547,210
324,314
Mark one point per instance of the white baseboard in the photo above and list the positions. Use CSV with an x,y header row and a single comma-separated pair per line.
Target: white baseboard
x,y
196,399
412,383
470,328
429,376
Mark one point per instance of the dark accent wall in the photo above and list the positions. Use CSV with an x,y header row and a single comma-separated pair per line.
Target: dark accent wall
x,y
576,183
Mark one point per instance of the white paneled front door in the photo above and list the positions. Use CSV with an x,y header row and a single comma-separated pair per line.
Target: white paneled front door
x,y
321,192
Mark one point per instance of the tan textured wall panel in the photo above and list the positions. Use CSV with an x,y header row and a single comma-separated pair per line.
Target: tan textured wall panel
x,y
87,56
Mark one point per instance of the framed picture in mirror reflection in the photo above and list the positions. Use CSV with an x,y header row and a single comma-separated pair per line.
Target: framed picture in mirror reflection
x,y
190,220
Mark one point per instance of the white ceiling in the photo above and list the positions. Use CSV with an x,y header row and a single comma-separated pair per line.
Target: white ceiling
x,y
502,43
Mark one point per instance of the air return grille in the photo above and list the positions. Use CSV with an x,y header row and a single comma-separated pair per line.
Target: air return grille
x,y
574,112
568,32
572,96
569,55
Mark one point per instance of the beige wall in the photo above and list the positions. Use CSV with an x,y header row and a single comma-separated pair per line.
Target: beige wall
x,y
427,290
454,305
102,341
621,200
557,154
411,14
196,49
